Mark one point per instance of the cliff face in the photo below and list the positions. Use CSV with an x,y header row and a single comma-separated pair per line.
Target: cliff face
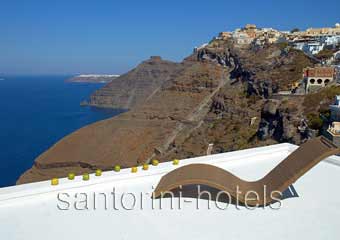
x,y
135,86
136,136
263,70
220,94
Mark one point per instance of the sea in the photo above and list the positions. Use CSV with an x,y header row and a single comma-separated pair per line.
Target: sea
x,y
36,112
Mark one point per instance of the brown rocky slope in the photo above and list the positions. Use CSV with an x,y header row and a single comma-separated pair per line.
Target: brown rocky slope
x,y
134,87
135,136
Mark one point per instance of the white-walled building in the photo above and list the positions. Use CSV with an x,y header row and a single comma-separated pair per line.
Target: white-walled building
x,y
333,133
318,77
309,47
242,38
332,40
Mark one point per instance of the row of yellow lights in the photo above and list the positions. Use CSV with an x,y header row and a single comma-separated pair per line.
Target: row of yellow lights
x,y
98,173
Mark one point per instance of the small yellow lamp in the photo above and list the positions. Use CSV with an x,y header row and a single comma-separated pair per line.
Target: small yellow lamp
x,y
116,168
145,166
154,162
54,181
86,176
175,162
98,172
71,176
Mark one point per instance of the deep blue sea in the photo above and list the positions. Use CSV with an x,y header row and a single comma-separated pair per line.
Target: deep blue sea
x,y
35,112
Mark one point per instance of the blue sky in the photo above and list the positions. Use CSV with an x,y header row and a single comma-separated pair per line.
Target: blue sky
x,y
69,37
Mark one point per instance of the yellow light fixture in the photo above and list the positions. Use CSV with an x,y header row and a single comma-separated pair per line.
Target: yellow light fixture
x,y
86,176
98,172
71,176
175,162
54,181
154,162
145,166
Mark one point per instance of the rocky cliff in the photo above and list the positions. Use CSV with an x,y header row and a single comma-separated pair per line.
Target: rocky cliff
x,y
264,70
148,129
135,86
220,94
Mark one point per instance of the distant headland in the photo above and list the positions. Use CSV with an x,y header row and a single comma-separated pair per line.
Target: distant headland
x,y
92,78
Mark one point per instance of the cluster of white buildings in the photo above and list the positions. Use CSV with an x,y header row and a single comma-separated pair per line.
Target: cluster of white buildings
x,y
251,34
311,41
314,44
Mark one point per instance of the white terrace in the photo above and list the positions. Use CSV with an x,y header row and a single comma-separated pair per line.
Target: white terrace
x,y
310,211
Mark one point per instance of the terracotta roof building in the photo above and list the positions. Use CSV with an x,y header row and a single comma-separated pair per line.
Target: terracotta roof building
x,y
320,72
318,77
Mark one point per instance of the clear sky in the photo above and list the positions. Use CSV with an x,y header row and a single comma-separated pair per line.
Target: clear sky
x,y
69,36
